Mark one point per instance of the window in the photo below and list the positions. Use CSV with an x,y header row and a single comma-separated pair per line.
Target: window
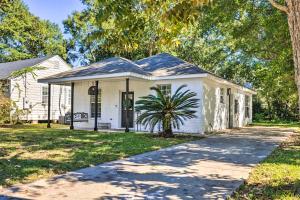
x,y
93,104
236,106
165,89
69,96
222,91
44,95
247,106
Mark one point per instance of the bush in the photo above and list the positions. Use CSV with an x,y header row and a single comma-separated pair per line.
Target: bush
x,y
9,112
5,108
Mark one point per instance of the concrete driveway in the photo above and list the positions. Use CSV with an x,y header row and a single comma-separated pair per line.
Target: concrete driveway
x,y
211,168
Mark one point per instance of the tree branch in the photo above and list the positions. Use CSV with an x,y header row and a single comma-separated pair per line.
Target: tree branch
x,y
278,6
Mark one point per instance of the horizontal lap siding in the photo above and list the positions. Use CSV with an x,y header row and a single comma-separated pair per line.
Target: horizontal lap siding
x,y
34,91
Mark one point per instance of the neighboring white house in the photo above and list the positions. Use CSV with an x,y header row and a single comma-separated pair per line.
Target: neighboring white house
x,y
222,105
31,96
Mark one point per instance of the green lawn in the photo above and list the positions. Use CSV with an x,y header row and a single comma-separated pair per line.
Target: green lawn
x,y
31,152
278,176
276,123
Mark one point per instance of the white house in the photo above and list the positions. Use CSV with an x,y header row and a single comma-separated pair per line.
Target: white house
x,y
31,96
223,104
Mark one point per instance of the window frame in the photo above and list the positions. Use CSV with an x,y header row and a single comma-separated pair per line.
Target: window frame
x,y
45,96
92,101
69,96
222,95
166,91
236,106
247,106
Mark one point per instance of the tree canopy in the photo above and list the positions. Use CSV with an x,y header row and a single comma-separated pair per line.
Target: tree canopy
x,y
243,40
23,35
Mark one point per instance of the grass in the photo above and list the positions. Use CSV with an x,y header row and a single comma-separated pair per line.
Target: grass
x,y
278,176
276,123
31,152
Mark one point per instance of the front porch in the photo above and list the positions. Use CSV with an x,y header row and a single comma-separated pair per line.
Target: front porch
x,y
103,103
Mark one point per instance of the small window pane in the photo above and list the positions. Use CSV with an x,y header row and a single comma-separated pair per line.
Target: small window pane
x,y
222,91
247,106
69,96
236,106
45,95
92,101
165,89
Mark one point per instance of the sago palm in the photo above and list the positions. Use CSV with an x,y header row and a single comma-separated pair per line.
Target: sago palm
x,y
168,111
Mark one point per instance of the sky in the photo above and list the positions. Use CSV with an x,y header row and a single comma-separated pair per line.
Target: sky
x,y
54,10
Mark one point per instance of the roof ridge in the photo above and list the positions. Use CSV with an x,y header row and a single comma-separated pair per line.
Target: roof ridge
x,y
151,57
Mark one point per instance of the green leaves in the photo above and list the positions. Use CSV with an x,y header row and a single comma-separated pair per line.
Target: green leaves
x,y
26,70
167,111
242,40
23,35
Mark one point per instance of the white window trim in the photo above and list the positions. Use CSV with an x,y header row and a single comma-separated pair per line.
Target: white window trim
x,y
247,105
42,95
99,102
160,85
222,96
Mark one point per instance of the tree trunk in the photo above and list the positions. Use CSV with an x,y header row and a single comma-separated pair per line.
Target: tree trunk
x,y
168,133
167,130
294,27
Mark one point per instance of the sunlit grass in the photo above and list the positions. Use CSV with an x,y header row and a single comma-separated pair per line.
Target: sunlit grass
x,y
30,152
277,123
278,176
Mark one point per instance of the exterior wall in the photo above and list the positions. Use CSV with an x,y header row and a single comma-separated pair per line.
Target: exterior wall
x,y
59,94
216,114
240,120
111,91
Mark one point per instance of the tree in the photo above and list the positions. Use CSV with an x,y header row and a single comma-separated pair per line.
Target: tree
x,y
292,9
168,111
23,35
132,29
247,42
242,40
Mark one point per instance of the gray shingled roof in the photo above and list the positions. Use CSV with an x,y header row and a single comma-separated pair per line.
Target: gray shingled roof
x,y
159,65
167,65
7,68
107,66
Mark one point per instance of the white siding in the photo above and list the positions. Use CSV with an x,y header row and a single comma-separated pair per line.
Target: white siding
x,y
211,114
111,100
216,114
37,110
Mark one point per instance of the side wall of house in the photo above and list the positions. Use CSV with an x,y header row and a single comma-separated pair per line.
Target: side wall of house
x,y
111,91
216,112
33,92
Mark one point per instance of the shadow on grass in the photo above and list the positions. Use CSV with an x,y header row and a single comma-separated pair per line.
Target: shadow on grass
x,y
172,172
32,151
269,191
277,177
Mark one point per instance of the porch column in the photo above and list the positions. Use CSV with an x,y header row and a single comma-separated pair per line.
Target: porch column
x,y
72,107
49,106
96,106
126,106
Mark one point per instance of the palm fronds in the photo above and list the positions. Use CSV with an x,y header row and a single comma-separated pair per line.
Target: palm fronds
x,y
168,111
